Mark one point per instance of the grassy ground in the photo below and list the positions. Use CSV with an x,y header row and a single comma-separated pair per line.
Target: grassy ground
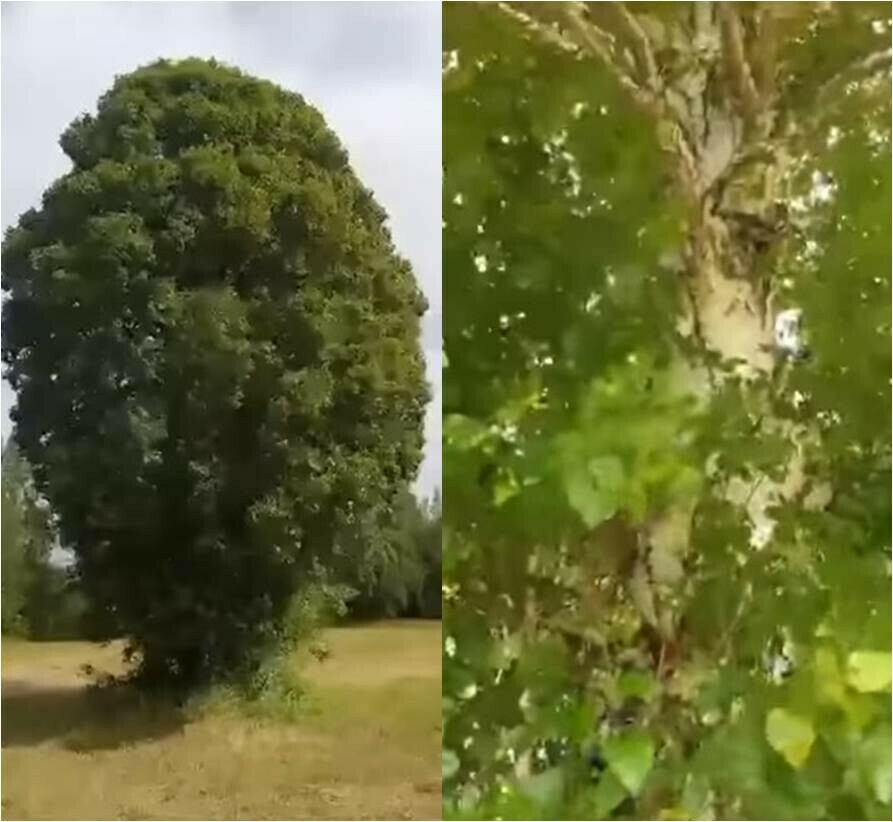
x,y
367,747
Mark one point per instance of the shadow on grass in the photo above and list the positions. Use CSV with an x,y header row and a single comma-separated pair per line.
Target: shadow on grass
x,y
83,719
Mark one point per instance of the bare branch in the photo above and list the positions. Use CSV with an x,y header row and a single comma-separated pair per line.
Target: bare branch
x,y
855,71
642,43
880,59
547,33
581,33
601,44
831,90
765,57
742,76
702,17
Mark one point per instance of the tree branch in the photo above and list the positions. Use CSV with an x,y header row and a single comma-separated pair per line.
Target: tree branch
x,y
858,69
583,34
765,52
550,34
586,37
601,44
832,88
644,50
742,75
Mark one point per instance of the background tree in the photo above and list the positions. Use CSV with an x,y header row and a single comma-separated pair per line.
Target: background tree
x,y
430,539
215,351
667,563
407,580
26,544
15,548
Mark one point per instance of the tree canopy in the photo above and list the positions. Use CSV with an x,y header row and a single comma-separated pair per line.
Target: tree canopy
x,y
215,350
667,549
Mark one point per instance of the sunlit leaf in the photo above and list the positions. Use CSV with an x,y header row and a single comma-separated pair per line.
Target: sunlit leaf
x,y
790,735
545,788
869,671
630,757
450,764
606,796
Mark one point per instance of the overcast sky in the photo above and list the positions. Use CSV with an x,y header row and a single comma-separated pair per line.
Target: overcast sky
x,y
372,69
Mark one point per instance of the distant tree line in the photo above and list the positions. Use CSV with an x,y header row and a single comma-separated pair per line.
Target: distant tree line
x,y
40,599
406,582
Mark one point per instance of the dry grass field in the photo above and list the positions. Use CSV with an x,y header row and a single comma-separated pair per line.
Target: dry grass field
x,y
367,746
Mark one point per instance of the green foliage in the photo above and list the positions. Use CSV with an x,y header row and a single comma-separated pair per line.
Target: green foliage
x,y
406,580
572,414
631,449
215,351
57,608
15,572
27,598
273,688
790,735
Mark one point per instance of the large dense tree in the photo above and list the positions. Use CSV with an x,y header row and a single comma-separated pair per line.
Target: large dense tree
x,y
667,561
215,351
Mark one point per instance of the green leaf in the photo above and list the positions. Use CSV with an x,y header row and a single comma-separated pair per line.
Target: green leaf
x,y
828,679
674,814
637,684
630,758
869,671
449,764
464,433
870,764
594,490
607,472
878,762
505,487
881,782
790,735
545,788
606,796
